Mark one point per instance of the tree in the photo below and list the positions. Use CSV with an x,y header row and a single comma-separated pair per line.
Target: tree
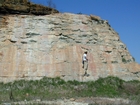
x,y
51,4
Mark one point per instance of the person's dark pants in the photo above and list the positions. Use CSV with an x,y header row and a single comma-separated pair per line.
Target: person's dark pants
x,y
85,66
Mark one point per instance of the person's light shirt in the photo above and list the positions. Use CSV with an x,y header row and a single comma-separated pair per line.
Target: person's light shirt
x,y
85,57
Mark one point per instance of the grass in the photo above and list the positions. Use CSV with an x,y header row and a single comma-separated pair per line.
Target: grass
x,y
56,88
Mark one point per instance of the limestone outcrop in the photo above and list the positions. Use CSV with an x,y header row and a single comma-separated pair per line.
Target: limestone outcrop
x,y
52,45
24,7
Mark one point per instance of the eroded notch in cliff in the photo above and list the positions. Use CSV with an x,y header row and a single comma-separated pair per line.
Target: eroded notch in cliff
x,y
30,34
66,38
12,41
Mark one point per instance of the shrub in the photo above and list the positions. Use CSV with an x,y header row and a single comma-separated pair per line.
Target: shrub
x,y
56,88
124,60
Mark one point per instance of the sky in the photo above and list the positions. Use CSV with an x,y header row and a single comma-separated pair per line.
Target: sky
x,y
122,15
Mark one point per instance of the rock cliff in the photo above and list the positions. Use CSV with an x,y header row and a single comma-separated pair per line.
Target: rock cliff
x,y
24,7
52,45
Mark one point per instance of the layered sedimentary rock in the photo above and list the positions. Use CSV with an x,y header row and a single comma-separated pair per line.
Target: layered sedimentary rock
x,y
24,7
32,47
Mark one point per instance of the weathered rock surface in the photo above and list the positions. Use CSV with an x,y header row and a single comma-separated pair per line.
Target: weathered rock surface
x,y
24,7
52,45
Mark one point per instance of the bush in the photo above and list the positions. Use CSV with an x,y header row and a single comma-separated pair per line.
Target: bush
x,y
124,60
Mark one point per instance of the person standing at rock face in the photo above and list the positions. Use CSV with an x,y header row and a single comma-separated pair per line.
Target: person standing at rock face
x,y
85,62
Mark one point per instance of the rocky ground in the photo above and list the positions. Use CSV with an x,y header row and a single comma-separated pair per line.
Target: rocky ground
x,y
77,101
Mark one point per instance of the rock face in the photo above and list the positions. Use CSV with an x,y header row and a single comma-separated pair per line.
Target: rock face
x,y
24,7
52,45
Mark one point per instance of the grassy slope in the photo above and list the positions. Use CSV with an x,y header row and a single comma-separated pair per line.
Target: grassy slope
x,y
56,88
